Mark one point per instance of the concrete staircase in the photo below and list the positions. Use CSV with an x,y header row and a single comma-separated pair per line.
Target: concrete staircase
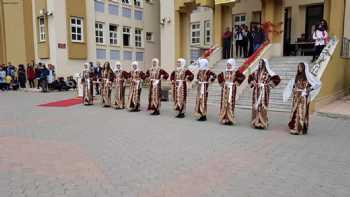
x,y
214,88
286,68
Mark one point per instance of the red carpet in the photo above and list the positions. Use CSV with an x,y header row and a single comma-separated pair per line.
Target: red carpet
x,y
63,103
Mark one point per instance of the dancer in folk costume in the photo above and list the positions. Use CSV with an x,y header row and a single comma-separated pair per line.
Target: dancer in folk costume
x,y
155,74
204,76
88,88
304,88
262,80
107,83
179,78
229,80
135,76
120,78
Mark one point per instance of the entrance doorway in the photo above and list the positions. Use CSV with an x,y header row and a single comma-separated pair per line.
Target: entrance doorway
x,y
314,14
287,48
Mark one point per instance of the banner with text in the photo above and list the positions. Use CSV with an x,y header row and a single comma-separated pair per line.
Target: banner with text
x,y
224,1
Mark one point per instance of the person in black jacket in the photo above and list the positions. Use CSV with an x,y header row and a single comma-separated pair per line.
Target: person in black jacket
x,y
22,78
97,77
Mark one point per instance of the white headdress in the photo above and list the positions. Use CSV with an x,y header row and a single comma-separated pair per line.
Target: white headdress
x,y
268,68
182,62
115,67
203,64
313,81
233,64
135,63
156,61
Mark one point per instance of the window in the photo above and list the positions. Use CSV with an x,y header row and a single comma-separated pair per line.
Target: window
x,y
76,25
195,33
149,36
101,54
99,6
239,19
207,32
126,36
127,55
42,29
138,3
139,56
138,15
113,9
115,55
126,12
138,37
113,34
128,2
99,29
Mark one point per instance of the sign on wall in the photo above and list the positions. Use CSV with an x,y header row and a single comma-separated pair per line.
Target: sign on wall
x,y
61,45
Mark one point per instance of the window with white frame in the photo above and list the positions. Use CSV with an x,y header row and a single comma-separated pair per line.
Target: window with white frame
x,y
42,29
195,33
126,36
76,25
113,34
128,2
99,29
138,3
207,32
138,37
239,20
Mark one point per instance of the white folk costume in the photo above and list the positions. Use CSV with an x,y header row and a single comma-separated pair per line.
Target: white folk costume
x,y
88,88
179,79
229,80
204,77
262,80
106,87
305,87
155,74
135,76
120,78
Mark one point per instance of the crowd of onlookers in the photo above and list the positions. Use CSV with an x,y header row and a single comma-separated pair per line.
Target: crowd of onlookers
x,y
246,40
32,75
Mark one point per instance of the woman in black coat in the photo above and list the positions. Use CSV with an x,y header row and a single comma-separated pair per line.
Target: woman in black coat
x,y
22,78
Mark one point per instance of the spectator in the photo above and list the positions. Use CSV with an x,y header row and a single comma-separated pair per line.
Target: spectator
x,y
2,77
44,73
8,80
239,41
324,24
37,71
320,36
245,42
31,75
52,76
259,38
21,73
11,70
98,76
250,36
227,43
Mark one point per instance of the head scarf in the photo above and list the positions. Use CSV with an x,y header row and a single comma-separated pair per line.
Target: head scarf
x,y
232,62
156,61
182,63
135,63
268,68
312,80
203,64
115,66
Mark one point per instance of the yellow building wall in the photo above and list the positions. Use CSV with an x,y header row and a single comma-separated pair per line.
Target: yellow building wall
x,y
76,8
336,76
43,48
14,31
2,35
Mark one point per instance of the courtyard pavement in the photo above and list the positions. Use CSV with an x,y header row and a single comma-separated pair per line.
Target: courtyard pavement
x,y
94,151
